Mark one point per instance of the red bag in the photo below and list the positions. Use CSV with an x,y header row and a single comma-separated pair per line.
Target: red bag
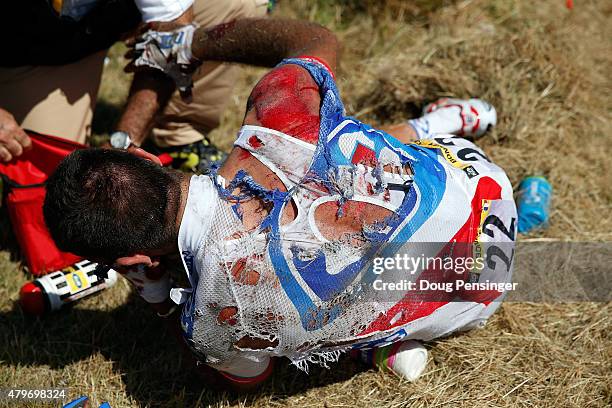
x,y
24,178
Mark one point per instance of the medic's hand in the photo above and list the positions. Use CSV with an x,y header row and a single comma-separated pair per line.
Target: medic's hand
x,y
138,152
169,52
13,140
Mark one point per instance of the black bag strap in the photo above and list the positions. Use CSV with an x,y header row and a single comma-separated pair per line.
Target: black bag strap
x,y
13,184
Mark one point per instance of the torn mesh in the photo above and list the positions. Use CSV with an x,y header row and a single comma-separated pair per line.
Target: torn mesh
x,y
261,287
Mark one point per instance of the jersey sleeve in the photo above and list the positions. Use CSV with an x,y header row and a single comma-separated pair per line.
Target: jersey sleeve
x,y
162,10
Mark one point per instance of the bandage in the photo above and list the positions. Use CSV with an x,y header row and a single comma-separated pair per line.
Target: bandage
x,y
151,290
170,52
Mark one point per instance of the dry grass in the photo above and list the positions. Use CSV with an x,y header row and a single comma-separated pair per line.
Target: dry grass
x,y
545,69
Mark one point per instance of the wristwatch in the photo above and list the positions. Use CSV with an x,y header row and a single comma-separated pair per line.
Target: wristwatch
x,y
120,140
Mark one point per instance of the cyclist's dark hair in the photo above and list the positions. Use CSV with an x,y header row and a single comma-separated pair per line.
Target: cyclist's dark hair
x,y
106,204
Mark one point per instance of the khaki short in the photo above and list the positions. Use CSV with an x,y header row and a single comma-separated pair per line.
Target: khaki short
x,y
59,100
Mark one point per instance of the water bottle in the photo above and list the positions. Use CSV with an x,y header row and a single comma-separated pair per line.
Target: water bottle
x,y
57,289
533,203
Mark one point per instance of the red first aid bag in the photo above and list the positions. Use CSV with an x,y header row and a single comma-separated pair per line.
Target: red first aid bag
x,y
24,178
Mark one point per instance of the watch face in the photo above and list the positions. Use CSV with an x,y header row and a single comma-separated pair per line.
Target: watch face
x,y
120,140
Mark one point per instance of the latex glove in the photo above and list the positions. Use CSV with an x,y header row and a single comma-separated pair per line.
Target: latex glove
x,y
170,52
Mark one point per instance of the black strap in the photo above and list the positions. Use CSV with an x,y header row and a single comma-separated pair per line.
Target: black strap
x,y
13,184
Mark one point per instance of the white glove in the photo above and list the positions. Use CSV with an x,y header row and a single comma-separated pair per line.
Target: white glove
x,y
170,52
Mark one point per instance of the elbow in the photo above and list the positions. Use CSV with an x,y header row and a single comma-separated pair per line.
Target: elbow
x,y
330,38
328,47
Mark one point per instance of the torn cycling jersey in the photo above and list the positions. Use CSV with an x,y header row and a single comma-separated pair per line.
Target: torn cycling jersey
x,y
286,290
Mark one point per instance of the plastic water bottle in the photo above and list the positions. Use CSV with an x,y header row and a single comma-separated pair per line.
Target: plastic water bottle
x,y
57,289
533,203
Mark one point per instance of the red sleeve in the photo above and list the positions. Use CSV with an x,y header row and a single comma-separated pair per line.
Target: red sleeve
x,y
287,99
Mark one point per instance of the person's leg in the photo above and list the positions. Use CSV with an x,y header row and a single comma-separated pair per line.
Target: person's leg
x,y
401,131
182,123
54,100
460,117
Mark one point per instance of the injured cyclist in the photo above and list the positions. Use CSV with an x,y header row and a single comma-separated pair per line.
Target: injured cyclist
x,y
278,244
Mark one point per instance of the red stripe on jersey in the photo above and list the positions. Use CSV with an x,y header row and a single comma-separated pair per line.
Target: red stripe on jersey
x,y
364,155
416,303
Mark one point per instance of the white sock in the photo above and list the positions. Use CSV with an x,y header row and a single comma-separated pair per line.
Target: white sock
x,y
407,359
443,120
410,360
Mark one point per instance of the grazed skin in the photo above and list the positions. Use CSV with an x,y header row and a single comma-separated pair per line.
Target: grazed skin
x,y
286,99
291,88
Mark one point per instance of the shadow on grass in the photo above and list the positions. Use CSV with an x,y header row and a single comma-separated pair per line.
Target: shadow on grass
x,y
144,351
8,241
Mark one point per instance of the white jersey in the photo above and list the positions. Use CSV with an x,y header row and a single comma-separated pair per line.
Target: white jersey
x,y
151,10
286,290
